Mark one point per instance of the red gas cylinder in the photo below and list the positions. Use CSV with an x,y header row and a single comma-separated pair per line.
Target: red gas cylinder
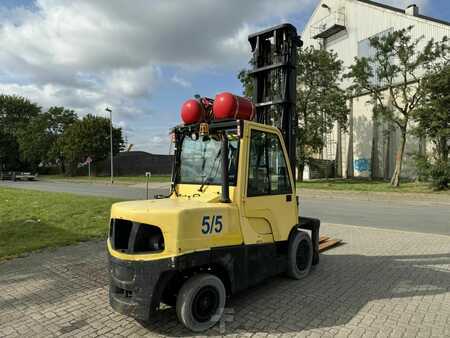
x,y
191,112
230,106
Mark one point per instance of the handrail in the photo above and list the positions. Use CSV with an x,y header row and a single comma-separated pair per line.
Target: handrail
x,y
336,17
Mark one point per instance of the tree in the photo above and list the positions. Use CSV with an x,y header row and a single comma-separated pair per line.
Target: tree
x,y
59,120
15,114
320,102
247,82
9,151
433,121
392,79
89,137
38,140
34,142
30,136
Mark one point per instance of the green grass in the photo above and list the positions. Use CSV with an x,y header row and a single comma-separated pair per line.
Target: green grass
x,y
32,220
367,186
105,179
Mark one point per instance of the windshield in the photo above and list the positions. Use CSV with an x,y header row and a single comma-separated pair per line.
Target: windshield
x,y
201,160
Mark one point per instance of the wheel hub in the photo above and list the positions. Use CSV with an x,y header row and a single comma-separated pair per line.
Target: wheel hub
x,y
205,304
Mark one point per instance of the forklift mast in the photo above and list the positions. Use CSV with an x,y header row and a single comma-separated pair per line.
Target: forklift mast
x,y
275,81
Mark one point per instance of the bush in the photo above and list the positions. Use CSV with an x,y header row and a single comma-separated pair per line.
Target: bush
x,y
438,172
440,175
423,167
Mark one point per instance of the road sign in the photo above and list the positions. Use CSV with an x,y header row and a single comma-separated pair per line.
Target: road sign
x,y
88,162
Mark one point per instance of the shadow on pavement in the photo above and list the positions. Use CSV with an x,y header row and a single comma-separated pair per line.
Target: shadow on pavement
x,y
332,295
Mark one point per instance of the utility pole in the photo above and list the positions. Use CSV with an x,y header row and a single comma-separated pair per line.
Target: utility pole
x,y
111,143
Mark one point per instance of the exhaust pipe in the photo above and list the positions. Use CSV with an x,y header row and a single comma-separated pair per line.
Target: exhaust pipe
x,y
225,197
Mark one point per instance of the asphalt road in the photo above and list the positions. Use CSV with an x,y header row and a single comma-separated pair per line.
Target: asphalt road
x,y
434,219
400,215
116,191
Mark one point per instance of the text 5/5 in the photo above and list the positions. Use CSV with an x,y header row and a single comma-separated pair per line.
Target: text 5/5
x,y
215,225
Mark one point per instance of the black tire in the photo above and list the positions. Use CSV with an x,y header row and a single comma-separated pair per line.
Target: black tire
x,y
201,301
300,255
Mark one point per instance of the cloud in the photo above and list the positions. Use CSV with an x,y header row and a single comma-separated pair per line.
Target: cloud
x,y
237,44
132,82
157,139
97,35
88,54
180,81
52,95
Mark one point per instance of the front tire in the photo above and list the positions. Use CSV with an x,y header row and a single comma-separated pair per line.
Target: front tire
x,y
201,301
300,255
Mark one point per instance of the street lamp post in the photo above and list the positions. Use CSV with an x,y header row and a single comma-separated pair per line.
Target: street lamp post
x,y
111,143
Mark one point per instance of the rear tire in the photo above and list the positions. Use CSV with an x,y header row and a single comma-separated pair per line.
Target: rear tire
x,y
201,301
300,255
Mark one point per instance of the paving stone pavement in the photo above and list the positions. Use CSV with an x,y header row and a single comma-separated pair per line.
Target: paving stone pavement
x,y
380,283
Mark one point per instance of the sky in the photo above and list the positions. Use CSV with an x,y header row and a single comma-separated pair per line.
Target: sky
x,y
141,58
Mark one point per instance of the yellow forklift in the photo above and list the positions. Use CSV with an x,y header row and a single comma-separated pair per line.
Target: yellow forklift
x,y
231,219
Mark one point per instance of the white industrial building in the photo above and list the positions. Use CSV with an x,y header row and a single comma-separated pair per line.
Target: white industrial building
x,y
345,27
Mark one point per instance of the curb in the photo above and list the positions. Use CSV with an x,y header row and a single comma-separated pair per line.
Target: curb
x,y
367,227
376,196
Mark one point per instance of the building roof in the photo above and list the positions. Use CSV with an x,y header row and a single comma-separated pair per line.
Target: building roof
x,y
399,10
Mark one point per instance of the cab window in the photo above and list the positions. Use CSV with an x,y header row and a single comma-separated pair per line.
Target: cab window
x,y
268,173
201,161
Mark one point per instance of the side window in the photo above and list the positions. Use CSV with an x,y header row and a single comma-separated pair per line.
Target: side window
x,y
268,173
258,172
279,174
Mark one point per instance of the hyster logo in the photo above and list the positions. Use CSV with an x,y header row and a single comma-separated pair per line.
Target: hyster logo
x,y
215,225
